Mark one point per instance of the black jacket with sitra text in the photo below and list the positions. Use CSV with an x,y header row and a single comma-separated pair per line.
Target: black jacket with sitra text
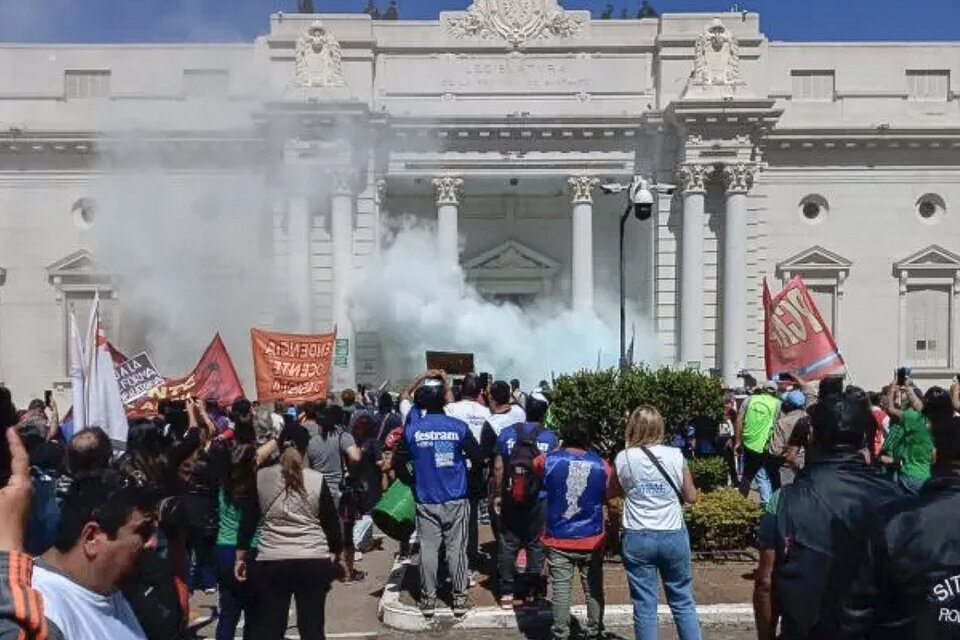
x,y
823,520
908,587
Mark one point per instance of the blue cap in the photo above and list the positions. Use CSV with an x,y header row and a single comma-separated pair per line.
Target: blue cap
x,y
795,398
292,412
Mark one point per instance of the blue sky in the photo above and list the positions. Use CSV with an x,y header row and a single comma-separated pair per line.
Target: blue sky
x,y
242,20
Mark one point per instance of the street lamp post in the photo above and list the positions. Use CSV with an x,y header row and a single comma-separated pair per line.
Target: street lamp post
x,y
640,202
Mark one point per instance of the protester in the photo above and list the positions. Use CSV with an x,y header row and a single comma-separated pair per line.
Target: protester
x,y
908,448
520,503
438,447
108,520
331,450
766,614
300,531
577,483
783,449
907,584
387,418
22,614
348,398
517,396
823,518
656,483
362,486
235,463
753,427
470,410
37,420
882,418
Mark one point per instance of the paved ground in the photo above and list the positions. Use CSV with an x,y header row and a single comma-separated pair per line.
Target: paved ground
x,y
352,609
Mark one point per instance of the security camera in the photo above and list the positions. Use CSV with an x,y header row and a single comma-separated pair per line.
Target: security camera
x,y
641,199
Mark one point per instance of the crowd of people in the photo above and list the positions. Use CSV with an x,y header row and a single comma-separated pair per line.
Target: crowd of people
x,y
272,503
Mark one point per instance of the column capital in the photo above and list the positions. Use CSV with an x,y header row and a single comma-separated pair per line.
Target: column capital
x,y
738,178
693,177
449,189
342,179
581,188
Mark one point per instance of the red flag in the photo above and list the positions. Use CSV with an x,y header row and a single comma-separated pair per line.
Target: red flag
x,y
214,377
796,337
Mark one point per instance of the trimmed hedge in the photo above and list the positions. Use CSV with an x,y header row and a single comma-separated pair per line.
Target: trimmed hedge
x,y
722,520
708,473
604,399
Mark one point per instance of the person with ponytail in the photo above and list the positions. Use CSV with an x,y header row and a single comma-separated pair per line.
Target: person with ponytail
x,y
301,540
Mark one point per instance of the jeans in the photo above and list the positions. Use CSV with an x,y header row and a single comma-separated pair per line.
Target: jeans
x,y
521,528
236,598
647,553
590,566
765,468
276,581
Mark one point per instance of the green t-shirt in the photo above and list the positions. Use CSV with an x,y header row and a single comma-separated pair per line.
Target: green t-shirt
x,y
759,416
229,528
911,442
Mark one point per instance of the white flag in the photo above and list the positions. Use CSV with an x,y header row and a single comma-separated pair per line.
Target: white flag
x,y
78,375
105,408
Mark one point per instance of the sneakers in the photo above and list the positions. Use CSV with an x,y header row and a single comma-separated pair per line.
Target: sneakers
x,y
461,606
506,603
428,607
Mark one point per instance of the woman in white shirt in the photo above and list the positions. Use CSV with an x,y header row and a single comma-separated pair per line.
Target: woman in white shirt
x,y
655,482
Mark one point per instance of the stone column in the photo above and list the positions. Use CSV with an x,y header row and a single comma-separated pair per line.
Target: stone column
x,y
298,235
341,235
692,180
738,179
581,188
449,189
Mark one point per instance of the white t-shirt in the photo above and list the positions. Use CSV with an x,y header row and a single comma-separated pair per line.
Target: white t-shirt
x,y
649,501
500,421
471,412
82,614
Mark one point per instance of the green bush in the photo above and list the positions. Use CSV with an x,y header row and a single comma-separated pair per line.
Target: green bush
x,y
722,520
708,473
604,399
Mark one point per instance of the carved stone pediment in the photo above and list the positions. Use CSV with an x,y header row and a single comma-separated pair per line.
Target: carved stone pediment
x,y
933,257
516,21
512,268
317,58
814,262
78,271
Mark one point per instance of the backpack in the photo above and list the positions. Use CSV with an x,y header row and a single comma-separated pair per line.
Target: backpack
x,y
523,485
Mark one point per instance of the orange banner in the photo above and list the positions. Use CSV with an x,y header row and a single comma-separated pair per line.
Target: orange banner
x,y
291,367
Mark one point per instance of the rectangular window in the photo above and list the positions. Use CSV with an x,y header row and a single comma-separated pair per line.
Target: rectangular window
x,y
206,83
928,326
813,86
928,85
80,85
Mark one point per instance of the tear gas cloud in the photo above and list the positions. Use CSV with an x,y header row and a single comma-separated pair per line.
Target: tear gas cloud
x,y
417,306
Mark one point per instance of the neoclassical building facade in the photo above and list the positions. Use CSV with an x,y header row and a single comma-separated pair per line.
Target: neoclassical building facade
x,y
839,162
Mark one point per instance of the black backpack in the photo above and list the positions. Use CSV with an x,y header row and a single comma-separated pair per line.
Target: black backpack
x,y
523,485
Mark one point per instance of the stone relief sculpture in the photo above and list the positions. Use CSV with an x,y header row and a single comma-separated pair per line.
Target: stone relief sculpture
x,y
317,60
515,21
716,56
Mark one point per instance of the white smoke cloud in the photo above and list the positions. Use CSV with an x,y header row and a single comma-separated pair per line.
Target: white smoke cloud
x,y
415,308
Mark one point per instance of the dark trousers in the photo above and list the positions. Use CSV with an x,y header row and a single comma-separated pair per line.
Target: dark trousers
x,y
473,534
521,527
276,581
752,463
236,598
